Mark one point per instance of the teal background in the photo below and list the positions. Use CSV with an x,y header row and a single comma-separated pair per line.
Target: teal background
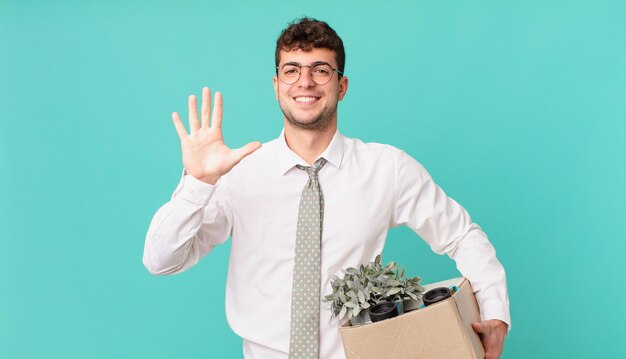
x,y
517,109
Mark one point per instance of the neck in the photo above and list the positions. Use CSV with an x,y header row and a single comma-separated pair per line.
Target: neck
x,y
309,144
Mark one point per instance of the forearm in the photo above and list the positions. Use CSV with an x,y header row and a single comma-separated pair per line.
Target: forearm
x,y
475,258
185,229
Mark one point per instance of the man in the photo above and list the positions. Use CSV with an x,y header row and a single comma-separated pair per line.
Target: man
x,y
287,241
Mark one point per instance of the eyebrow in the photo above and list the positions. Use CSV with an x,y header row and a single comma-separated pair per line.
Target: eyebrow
x,y
313,64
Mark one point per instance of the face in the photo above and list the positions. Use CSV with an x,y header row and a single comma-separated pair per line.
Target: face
x,y
305,104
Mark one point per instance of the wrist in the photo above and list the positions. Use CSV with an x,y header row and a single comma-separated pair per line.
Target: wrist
x,y
499,325
207,178
212,180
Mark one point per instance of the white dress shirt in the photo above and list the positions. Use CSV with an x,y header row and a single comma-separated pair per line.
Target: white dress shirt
x,y
368,188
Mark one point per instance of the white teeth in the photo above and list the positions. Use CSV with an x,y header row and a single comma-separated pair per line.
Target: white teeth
x,y
305,99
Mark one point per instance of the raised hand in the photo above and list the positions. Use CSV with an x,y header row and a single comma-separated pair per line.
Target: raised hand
x,y
205,155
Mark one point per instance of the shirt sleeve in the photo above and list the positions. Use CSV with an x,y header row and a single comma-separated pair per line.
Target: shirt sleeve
x,y
448,229
189,226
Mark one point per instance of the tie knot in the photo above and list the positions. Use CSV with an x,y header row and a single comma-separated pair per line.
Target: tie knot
x,y
313,170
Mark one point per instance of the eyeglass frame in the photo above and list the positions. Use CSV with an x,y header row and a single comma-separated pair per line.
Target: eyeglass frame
x,y
300,66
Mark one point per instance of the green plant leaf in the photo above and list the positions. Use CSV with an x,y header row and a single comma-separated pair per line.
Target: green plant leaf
x,y
343,297
342,313
361,296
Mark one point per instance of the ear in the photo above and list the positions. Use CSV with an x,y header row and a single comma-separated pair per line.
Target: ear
x,y
275,79
343,87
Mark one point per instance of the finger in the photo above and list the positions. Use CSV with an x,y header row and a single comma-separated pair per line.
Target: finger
x,y
479,327
244,151
206,107
193,114
216,122
178,124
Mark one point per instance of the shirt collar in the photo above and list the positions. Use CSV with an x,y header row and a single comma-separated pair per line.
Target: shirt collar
x,y
287,159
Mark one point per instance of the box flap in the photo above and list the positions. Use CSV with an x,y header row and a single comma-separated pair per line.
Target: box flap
x,y
468,310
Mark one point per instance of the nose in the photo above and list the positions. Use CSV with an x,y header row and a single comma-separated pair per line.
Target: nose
x,y
306,78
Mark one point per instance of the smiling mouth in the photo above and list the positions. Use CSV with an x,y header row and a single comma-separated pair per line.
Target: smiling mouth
x,y
306,100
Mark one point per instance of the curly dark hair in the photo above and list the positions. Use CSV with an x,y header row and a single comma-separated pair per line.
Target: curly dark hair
x,y
306,34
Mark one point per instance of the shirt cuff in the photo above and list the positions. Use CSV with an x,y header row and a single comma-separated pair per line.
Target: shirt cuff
x,y
496,310
195,191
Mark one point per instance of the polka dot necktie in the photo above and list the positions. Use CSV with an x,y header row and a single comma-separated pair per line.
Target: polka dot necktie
x,y
305,293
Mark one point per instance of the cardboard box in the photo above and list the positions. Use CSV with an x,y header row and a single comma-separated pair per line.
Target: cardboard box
x,y
441,330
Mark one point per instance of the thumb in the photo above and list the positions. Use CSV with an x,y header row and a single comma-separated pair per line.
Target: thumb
x,y
479,327
244,151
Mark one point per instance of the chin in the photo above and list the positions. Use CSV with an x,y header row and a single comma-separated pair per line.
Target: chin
x,y
316,124
319,121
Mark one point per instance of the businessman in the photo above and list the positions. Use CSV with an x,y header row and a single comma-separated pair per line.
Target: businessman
x,y
305,205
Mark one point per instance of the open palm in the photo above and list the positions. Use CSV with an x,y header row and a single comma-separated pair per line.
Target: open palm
x,y
205,155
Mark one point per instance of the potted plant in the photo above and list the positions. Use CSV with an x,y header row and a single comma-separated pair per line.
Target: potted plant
x,y
361,288
387,287
411,294
391,285
352,294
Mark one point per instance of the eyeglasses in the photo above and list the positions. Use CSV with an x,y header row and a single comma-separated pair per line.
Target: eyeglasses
x,y
321,72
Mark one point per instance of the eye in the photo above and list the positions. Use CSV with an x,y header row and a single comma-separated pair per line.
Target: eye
x,y
322,70
290,70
